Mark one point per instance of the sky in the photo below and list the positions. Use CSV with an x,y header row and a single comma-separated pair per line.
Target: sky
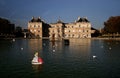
x,y
20,12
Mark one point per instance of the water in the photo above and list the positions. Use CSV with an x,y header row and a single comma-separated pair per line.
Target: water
x,y
60,61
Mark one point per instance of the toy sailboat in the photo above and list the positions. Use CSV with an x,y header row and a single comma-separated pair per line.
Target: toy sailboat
x,y
37,60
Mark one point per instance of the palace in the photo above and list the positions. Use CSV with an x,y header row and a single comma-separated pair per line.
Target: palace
x,y
38,28
81,28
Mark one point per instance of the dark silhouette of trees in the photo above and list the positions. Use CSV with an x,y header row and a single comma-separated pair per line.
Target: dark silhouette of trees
x,y
112,25
18,32
96,33
6,28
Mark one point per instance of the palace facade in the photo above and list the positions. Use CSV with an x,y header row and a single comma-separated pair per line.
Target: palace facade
x,y
81,28
38,28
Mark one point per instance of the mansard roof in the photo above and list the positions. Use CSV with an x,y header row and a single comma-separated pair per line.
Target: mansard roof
x,y
59,21
36,19
82,19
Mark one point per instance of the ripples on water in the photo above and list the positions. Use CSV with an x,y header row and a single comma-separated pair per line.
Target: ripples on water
x,y
60,61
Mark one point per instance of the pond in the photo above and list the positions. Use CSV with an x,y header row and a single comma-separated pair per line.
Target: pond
x,y
82,58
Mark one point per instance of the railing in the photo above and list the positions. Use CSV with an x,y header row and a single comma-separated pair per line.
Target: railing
x,y
111,35
7,36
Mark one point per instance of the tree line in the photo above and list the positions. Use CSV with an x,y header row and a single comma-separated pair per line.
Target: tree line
x,y
112,25
7,29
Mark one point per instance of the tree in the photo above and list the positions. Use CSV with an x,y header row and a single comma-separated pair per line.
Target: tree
x,y
18,32
112,25
6,27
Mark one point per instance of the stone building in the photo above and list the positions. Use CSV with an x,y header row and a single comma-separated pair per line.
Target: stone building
x,y
38,28
81,28
56,30
78,29
7,29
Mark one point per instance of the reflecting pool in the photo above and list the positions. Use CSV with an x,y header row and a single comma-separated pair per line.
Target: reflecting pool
x,y
75,60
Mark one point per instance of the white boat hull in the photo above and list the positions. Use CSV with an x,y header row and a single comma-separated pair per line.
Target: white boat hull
x,y
36,63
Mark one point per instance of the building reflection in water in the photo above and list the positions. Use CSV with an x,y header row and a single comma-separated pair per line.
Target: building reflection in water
x,y
37,68
35,44
80,47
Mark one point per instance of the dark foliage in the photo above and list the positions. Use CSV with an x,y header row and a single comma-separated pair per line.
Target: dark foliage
x,y
112,25
6,27
96,33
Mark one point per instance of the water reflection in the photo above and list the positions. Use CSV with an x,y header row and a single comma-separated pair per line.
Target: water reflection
x,y
80,47
35,44
37,68
74,61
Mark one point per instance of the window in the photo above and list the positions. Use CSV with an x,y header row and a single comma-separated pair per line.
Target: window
x,y
73,30
65,30
72,35
83,31
69,30
34,26
53,31
30,26
87,30
34,30
38,30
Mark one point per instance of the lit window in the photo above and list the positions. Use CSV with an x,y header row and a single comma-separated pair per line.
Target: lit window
x,y
73,30
65,30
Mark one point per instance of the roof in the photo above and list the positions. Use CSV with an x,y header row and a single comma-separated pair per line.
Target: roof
x,y
82,19
59,21
36,19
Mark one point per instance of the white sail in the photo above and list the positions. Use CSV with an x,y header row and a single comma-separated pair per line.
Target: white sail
x,y
35,59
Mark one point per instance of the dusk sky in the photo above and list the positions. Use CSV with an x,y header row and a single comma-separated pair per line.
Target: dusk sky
x,y
20,12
